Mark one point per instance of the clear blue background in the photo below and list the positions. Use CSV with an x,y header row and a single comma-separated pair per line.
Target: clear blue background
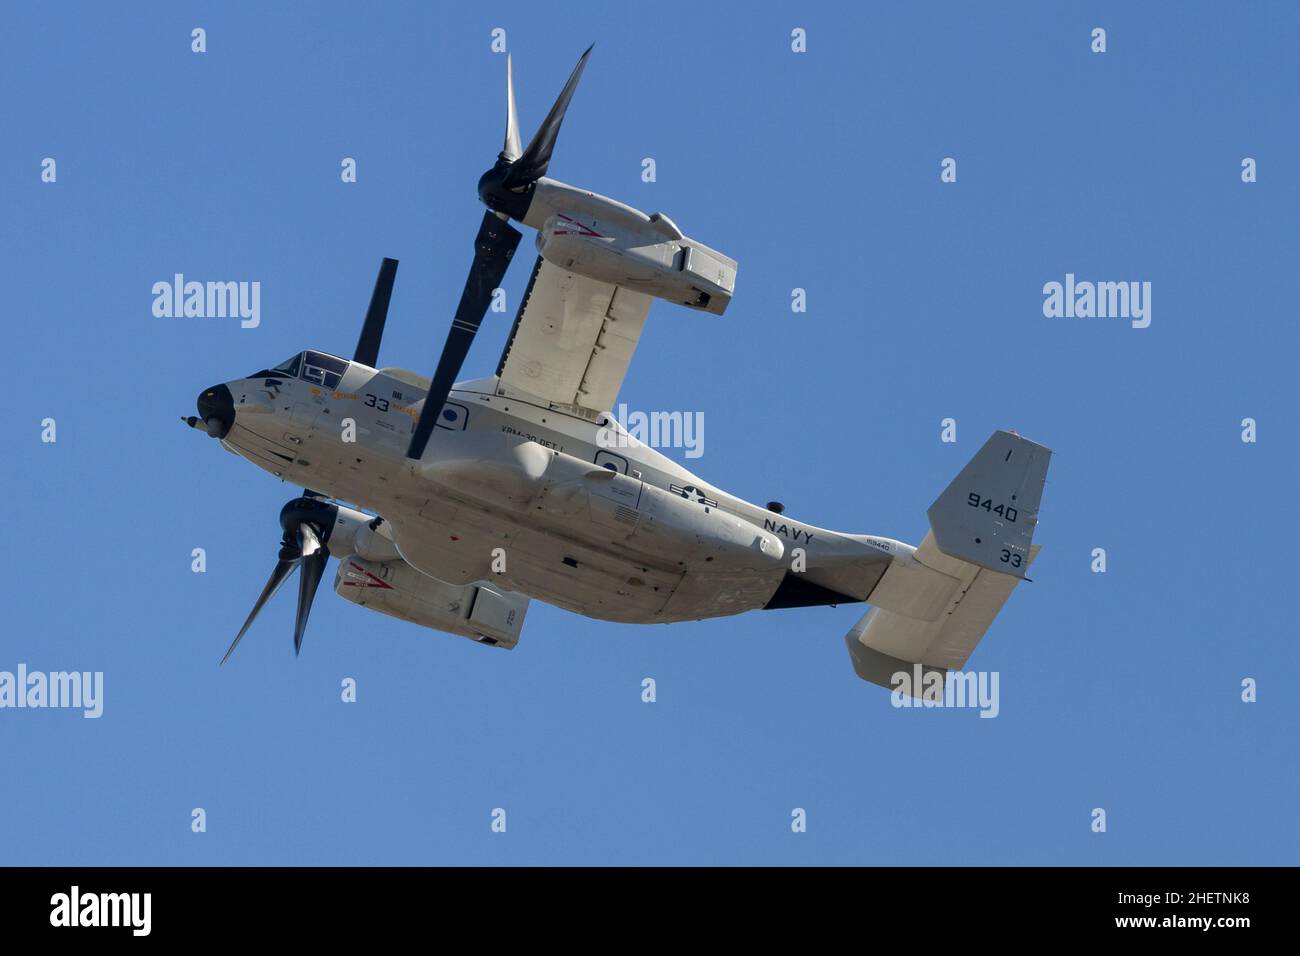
x,y
1118,690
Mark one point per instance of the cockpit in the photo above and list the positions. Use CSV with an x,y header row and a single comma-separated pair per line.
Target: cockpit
x,y
315,367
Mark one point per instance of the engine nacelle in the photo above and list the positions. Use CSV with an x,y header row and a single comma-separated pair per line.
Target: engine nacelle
x,y
341,529
650,256
479,611
355,532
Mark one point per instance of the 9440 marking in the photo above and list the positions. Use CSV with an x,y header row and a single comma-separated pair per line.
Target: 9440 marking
x,y
1006,511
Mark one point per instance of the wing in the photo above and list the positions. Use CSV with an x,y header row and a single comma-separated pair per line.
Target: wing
x,y
572,340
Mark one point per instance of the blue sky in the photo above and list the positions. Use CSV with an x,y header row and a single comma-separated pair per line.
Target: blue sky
x,y
819,171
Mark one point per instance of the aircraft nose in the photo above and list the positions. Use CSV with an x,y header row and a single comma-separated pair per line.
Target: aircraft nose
x,y
217,410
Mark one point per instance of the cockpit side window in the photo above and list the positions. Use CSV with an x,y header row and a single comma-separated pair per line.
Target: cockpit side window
x,y
323,370
289,367
286,369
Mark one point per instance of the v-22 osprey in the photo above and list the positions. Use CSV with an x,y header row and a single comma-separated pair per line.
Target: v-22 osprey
x,y
474,497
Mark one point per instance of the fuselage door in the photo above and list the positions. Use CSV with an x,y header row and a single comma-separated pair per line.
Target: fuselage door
x,y
302,419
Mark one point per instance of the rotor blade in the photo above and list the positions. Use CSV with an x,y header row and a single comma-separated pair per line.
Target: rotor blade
x,y
511,150
372,330
532,165
493,247
281,573
313,566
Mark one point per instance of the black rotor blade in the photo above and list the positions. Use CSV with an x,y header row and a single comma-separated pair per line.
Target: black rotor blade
x,y
493,247
283,568
372,330
313,567
532,165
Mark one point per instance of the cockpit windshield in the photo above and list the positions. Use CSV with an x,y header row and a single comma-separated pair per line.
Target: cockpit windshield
x,y
323,370
315,367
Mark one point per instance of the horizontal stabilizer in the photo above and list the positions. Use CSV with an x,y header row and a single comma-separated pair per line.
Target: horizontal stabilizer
x,y
884,642
931,611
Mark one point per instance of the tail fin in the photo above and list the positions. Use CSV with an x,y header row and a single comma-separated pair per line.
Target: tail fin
x,y
987,515
930,613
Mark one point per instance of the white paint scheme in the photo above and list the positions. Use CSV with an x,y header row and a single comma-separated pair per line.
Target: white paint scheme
x,y
524,477
574,340
533,479
478,611
529,466
585,232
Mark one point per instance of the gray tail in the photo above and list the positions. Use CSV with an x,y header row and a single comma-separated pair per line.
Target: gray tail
x,y
988,514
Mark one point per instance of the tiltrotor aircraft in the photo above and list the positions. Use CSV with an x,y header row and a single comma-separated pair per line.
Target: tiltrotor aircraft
x,y
479,496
